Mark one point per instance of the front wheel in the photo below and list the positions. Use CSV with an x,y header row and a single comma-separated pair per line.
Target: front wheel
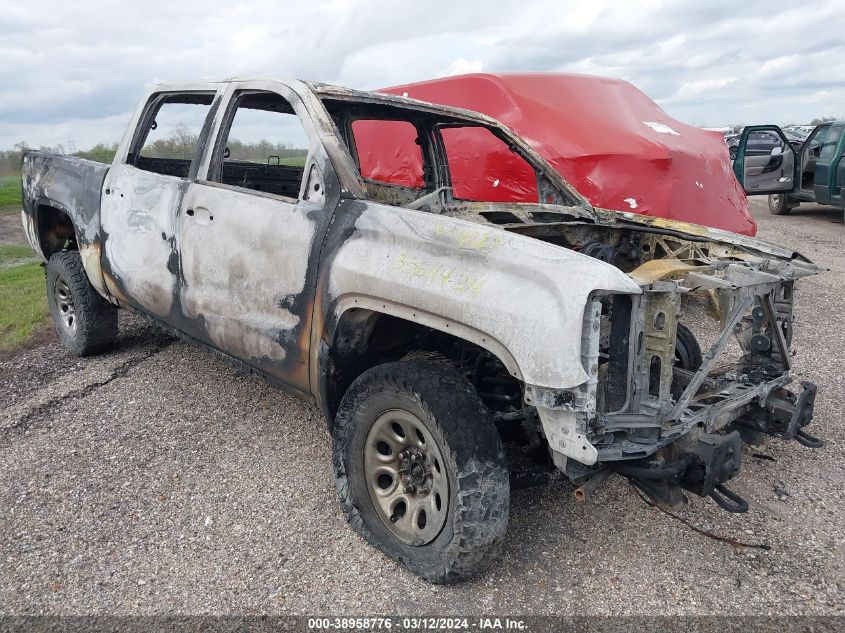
x,y
85,322
777,204
420,469
687,350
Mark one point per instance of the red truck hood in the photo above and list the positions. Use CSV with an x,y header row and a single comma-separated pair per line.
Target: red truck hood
x,y
616,146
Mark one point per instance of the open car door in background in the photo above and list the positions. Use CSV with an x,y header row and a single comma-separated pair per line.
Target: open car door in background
x,y
764,168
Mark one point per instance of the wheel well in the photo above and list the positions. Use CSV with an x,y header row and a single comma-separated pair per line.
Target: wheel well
x,y
55,230
365,338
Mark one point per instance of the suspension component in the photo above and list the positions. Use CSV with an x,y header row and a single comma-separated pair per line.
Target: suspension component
x,y
703,469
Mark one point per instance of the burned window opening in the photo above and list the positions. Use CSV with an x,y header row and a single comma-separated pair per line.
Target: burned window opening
x,y
485,167
166,141
263,145
389,152
438,175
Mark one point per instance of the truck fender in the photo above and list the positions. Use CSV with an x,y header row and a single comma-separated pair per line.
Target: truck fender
x,y
520,298
72,186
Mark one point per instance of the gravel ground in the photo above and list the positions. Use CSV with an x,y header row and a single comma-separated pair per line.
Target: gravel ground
x,y
155,479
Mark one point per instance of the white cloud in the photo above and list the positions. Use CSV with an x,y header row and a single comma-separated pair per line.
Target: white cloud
x,y
462,66
694,89
780,64
71,71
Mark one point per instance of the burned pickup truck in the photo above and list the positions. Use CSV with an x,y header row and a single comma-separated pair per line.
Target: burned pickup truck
x,y
431,331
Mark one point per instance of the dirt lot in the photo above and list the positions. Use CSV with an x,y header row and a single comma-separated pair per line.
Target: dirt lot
x,y
156,479
11,227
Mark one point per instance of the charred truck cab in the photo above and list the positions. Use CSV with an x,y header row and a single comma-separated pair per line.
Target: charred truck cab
x,y
447,340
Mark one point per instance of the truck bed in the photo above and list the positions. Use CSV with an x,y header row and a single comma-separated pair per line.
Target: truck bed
x,y
68,183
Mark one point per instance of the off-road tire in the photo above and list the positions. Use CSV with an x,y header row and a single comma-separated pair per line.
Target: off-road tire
x,y
95,318
479,490
687,350
778,204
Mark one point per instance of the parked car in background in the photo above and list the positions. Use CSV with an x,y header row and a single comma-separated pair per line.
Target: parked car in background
x,y
616,146
797,136
790,173
802,130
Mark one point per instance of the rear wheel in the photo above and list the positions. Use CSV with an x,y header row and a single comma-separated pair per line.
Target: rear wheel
x,y
778,205
85,322
420,469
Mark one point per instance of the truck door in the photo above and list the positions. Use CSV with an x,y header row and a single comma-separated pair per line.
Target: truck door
x,y
250,230
837,173
141,194
827,152
764,168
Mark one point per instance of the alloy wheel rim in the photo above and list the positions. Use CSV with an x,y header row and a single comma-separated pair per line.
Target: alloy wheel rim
x,y
406,477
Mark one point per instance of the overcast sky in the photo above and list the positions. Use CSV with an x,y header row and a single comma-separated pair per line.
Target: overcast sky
x,y
72,72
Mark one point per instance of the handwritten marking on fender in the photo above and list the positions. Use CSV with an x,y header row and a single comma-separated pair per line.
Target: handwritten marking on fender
x,y
467,238
436,274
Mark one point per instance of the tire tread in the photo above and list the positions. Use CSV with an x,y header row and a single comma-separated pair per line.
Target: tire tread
x,y
482,498
96,317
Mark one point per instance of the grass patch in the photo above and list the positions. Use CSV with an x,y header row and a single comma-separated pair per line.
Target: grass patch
x,y
15,255
10,192
23,302
293,161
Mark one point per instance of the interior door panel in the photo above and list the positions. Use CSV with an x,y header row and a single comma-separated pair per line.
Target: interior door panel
x,y
768,173
772,171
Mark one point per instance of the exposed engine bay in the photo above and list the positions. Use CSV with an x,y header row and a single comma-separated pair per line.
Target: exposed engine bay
x,y
657,408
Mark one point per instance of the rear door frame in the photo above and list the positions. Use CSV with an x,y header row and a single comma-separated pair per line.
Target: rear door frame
x,y
137,261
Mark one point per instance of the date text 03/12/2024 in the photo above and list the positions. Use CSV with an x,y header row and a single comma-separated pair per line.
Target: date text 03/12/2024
x,y
418,623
